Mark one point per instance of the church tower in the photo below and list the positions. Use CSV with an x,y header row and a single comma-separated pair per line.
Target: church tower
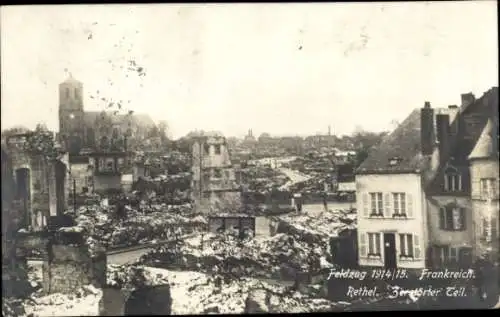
x,y
71,114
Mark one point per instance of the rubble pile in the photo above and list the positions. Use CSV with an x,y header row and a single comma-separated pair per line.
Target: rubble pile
x,y
198,293
316,227
12,307
262,179
233,257
83,302
136,227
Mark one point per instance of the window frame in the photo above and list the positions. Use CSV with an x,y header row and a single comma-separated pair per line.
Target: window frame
x,y
374,244
452,181
217,149
377,204
447,221
490,189
399,201
406,245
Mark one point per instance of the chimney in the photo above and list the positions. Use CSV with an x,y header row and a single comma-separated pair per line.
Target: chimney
x,y
467,99
427,129
443,135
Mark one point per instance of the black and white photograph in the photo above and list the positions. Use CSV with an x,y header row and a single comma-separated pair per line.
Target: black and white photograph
x,y
249,158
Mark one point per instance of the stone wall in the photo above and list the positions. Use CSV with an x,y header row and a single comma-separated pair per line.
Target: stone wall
x,y
68,268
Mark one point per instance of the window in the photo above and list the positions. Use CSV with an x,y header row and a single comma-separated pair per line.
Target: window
x,y
374,244
377,207
109,166
217,148
452,218
452,256
488,190
399,204
452,181
77,95
206,195
406,245
67,92
217,173
104,141
206,178
207,149
486,229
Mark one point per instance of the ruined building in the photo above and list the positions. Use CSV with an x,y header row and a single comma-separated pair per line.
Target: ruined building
x,y
214,185
40,185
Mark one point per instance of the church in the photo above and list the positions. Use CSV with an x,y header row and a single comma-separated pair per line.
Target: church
x,y
97,131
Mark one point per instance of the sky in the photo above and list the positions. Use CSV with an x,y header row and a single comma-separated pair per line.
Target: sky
x,y
285,69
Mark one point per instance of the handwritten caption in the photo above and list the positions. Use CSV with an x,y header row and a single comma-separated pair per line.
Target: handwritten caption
x,y
387,276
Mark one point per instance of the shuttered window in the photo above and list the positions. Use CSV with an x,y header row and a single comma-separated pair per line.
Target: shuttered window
x,y
366,205
417,251
362,245
452,218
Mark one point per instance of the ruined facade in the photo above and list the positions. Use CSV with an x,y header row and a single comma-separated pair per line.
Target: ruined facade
x,y
41,185
69,265
214,185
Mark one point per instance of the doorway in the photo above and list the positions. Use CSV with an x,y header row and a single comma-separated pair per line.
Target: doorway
x,y
23,193
60,171
390,251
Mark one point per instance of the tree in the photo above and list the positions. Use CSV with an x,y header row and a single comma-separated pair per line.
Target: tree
x,y
41,142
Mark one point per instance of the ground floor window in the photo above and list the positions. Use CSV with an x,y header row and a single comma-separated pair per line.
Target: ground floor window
x,y
449,256
374,244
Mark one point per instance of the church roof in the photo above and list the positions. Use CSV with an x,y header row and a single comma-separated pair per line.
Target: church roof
x,y
484,147
140,119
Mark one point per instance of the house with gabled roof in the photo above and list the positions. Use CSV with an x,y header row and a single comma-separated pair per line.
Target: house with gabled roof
x,y
417,175
453,221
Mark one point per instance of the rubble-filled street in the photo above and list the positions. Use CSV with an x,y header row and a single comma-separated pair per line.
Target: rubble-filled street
x,y
189,159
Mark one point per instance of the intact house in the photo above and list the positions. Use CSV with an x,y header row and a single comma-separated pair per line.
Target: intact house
x,y
414,198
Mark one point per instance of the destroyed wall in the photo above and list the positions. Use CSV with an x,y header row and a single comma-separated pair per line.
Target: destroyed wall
x,y
214,186
69,267
153,300
81,174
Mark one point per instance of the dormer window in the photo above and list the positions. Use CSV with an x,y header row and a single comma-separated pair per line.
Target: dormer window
x,y
452,180
395,161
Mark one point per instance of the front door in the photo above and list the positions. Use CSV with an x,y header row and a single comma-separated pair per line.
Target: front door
x,y
390,250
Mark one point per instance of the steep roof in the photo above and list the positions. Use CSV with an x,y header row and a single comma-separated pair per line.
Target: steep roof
x,y
484,147
400,151
402,144
139,119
